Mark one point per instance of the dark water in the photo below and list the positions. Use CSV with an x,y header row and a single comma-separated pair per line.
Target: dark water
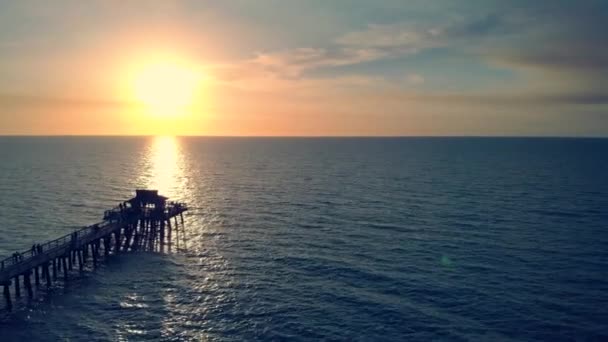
x,y
322,239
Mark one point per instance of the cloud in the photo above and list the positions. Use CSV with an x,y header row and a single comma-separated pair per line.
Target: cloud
x,y
16,100
406,37
595,98
376,42
389,37
559,46
510,99
565,41
552,35
292,63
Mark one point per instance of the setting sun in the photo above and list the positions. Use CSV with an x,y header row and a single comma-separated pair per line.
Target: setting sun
x,y
166,88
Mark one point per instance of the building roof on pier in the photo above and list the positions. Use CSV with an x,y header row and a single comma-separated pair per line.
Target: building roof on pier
x,y
148,197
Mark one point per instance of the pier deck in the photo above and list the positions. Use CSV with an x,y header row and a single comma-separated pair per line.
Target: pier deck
x,y
141,223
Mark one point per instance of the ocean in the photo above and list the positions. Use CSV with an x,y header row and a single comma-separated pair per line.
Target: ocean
x,y
310,239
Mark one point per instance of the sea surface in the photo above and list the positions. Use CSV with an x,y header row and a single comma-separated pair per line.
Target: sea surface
x,y
310,239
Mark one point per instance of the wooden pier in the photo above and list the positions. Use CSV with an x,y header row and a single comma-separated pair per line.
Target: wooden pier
x,y
142,223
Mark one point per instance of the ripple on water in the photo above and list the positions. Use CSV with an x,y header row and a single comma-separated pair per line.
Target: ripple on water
x,y
310,239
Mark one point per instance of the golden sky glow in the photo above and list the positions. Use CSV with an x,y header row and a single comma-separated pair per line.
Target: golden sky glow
x,y
167,87
304,68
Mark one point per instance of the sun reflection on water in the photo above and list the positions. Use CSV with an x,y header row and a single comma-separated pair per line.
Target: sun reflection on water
x,y
199,270
164,168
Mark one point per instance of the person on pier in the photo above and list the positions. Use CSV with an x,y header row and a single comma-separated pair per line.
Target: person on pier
x,y
17,257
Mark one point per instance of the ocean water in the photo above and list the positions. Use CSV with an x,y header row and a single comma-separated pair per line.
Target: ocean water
x,y
356,239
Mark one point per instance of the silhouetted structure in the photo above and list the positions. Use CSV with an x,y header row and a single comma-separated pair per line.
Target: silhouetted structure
x,y
141,223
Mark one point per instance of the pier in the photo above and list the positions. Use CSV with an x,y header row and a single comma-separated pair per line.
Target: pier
x,y
142,223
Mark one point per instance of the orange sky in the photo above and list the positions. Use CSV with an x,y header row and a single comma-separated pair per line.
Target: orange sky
x,y
303,68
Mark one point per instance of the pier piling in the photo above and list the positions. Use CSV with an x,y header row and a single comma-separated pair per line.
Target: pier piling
x,y
142,223
28,284
7,296
65,269
36,277
54,269
17,289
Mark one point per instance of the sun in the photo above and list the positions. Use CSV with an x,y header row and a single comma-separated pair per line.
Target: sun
x,y
166,88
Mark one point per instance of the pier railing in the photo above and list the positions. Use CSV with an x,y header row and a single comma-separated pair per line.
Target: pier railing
x,y
142,223
110,217
22,257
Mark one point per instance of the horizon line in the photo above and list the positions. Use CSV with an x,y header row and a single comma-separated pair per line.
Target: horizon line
x,y
299,136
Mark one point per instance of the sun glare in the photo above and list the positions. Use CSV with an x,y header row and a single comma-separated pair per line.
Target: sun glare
x,y
166,88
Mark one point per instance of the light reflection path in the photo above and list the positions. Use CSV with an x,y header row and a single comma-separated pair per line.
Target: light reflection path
x,y
164,167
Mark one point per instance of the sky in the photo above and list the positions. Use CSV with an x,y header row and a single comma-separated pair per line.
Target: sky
x,y
305,68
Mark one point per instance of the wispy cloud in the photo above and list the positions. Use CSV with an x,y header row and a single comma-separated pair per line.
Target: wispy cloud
x,y
19,100
292,63
565,42
402,37
376,42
